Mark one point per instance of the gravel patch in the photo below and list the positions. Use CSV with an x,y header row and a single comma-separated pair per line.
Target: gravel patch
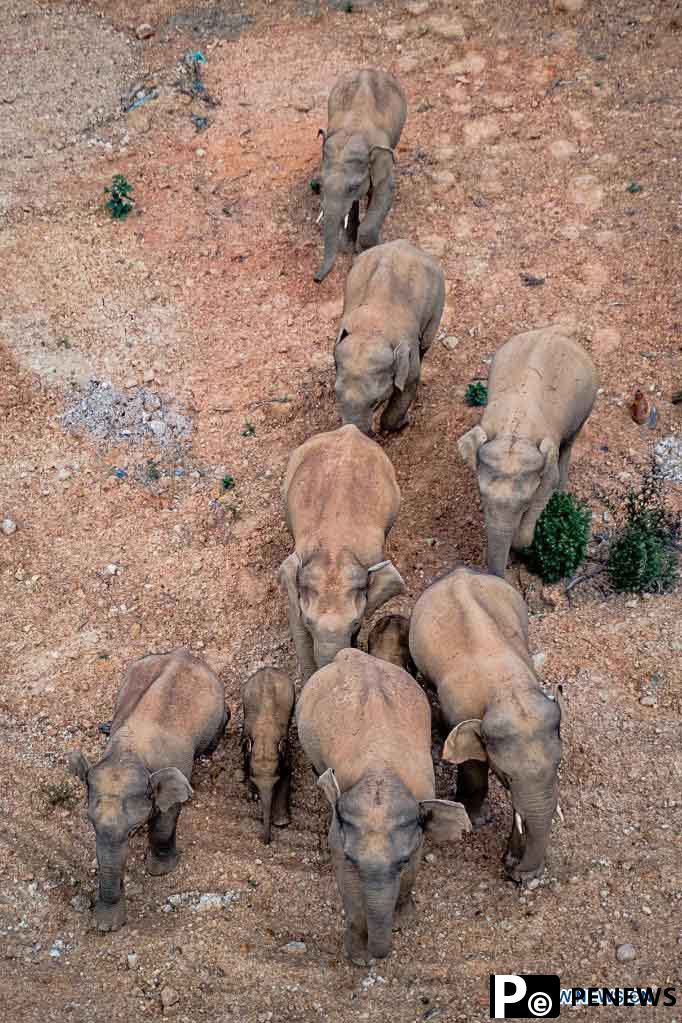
x,y
136,416
668,453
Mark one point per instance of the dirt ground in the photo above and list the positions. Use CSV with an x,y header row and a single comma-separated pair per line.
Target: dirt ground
x,y
528,130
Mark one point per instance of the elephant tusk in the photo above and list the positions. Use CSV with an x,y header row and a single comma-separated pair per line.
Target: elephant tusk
x,y
345,223
518,822
320,217
560,812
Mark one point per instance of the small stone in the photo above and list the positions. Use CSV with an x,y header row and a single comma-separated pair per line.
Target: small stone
x,y
169,996
111,569
129,382
606,516
566,6
539,660
148,375
64,474
646,910
135,630
144,31
81,903
57,949
648,701
626,953
158,427
533,884
295,947
132,960
430,858
8,527
451,342
200,152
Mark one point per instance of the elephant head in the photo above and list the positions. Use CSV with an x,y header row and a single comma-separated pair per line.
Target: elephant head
x,y
522,745
264,765
122,796
376,835
389,640
350,167
516,479
366,374
328,598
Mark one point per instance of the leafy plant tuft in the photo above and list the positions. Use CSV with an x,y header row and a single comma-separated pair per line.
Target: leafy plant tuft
x,y
119,202
560,540
642,557
476,394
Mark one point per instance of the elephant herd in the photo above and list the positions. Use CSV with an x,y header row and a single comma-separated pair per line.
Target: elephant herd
x,y
363,720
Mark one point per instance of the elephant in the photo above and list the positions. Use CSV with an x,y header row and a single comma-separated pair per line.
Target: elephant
x,y
366,113
170,710
469,638
268,699
341,500
365,725
389,640
541,389
393,304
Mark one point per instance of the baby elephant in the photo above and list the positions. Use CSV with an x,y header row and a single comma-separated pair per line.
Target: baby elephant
x,y
366,114
170,710
541,389
393,305
366,727
389,640
341,500
469,637
268,699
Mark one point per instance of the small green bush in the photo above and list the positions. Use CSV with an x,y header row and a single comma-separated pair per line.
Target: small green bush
x,y
476,394
560,541
642,558
228,482
119,202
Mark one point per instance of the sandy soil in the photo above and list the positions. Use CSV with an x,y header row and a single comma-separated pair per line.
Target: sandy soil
x,y
525,129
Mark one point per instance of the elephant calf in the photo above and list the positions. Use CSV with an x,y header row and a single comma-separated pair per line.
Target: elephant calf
x,y
341,499
393,305
170,710
541,389
366,727
366,114
389,640
469,637
268,698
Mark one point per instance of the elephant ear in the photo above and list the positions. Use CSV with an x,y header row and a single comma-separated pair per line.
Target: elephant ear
x,y
401,363
329,785
469,444
383,582
288,577
381,160
342,334
169,786
465,743
78,765
444,820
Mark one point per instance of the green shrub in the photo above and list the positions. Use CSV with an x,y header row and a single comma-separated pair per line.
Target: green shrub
x,y
642,558
119,202
560,541
476,394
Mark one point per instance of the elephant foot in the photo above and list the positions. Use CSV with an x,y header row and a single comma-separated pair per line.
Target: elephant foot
x,y
479,816
357,950
520,875
367,240
405,913
110,916
394,426
159,865
281,820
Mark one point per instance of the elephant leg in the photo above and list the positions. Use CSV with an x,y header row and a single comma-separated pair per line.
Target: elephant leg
x,y
350,889
212,744
379,205
351,231
564,461
394,417
303,643
280,802
162,856
472,790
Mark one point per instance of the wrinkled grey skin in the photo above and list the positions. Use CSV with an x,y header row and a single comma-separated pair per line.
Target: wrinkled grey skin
x,y
366,114
389,640
356,719
170,710
268,698
541,389
341,499
393,305
469,638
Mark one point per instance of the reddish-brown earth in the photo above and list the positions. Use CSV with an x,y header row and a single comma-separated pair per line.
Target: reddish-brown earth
x,y
525,129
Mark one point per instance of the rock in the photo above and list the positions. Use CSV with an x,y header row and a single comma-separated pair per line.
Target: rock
x,y
451,342
111,569
144,31
132,960
533,884
135,630
81,902
626,953
648,700
169,997
295,947
8,526
158,427
208,902
446,27
539,660
57,949
130,382
64,474
566,6
430,858
148,375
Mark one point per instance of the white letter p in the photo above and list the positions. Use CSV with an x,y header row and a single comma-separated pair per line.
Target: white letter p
x,y
502,997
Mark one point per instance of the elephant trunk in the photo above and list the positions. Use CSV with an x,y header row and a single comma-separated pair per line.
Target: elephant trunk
x,y
359,415
111,863
327,648
381,895
500,538
536,811
332,226
303,643
265,791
